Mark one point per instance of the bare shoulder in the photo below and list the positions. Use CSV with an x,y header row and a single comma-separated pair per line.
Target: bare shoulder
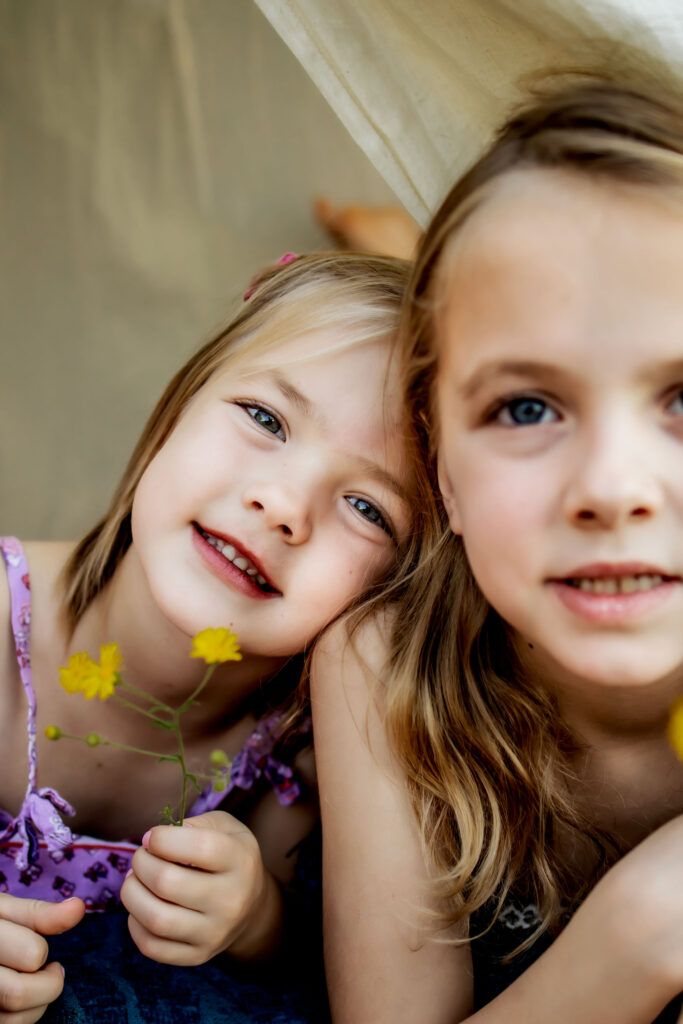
x,y
46,561
348,674
357,653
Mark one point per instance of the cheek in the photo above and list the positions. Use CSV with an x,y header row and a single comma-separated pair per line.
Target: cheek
x,y
500,519
343,574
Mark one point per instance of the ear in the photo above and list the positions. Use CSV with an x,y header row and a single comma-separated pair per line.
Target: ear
x,y
449,498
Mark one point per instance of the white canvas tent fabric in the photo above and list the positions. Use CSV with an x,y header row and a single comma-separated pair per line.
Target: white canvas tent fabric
x,y
420,84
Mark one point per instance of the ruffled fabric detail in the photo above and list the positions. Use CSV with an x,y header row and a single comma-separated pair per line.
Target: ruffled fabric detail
x,y
39,818
248,765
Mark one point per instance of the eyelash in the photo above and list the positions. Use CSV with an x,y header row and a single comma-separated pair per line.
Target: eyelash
x,y
505,406
378,521
253,410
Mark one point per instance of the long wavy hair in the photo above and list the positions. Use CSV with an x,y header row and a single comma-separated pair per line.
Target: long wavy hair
x,y
486,755
358,297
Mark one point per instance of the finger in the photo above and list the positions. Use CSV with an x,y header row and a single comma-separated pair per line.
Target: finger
x,y
173,883
164,950
200,843
40,915
21,949
24,997
160,917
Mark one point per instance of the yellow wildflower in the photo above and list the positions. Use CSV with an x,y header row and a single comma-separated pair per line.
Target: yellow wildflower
x,y
216,645
104,676
75,675
676,727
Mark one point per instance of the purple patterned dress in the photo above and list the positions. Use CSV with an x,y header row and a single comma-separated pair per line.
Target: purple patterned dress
x,y
39,854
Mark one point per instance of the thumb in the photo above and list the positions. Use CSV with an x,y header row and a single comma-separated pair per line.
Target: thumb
x,y
40,915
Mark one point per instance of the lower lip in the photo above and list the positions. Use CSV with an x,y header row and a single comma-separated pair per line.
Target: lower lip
x,y
613,609
226,571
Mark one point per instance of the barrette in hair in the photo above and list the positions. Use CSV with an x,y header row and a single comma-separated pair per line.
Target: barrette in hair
x,y
288,257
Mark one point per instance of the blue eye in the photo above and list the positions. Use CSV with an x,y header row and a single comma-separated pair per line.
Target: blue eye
x,y
676,405
264,418
371,513
525,411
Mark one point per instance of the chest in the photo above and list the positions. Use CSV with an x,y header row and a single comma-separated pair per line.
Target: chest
x,y
116,792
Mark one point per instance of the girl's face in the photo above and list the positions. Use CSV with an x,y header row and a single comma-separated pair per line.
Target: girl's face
x,y
560,413
278,496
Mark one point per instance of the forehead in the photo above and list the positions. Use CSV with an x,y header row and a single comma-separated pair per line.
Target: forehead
x,y
356,377
551,255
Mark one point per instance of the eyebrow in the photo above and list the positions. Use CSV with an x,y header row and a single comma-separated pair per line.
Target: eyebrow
x,y
292,393
550,374
307,407
512,368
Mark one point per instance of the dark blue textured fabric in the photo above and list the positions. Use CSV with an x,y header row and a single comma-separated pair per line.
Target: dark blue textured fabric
x,y
108,981
493,973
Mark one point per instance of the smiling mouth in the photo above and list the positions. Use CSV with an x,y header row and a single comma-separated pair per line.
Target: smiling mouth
x,y
238,559
618,584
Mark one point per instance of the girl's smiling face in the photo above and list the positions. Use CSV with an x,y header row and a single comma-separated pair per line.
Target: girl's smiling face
x,y
559,399
278,496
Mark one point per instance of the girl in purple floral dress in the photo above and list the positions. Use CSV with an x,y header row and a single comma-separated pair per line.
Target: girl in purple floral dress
x,y
267,493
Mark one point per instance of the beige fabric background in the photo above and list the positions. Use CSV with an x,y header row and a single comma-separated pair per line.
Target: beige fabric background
x,y
420,84
153,153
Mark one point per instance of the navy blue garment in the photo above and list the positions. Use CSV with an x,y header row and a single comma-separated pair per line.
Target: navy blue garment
x,y
493,974
108,981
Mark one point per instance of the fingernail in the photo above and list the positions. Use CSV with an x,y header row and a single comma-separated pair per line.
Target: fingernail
x,y
129,872
61,969
145,838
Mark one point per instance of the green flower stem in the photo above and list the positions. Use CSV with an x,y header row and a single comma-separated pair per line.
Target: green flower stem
x,y
103,742
175,727
145,696
136,707
193,696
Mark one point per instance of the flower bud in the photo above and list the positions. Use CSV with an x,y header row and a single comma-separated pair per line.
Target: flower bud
x,y
219,785
92,739
53,732
218,758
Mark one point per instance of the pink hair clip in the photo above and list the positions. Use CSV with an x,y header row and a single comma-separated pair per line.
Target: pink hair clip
x,y
288,257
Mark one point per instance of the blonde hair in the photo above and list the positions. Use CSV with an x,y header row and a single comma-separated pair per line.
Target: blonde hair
x,y
486,755
356,296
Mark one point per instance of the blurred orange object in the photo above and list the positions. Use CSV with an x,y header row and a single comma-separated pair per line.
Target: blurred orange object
x,y
385,230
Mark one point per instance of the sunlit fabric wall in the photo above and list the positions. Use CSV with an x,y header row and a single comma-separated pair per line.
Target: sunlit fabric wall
x,y
153,153
421,84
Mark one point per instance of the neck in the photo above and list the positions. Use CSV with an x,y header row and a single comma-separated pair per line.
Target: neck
x,y
156,655
630,780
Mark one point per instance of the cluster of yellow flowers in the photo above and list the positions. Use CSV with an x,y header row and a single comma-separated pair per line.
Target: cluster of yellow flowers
x,y
82,674
91,678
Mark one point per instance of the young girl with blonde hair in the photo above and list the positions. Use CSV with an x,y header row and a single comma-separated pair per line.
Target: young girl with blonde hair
x,y
269,490
503,837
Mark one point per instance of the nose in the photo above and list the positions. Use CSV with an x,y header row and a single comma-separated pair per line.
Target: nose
x,y
615,480
282,508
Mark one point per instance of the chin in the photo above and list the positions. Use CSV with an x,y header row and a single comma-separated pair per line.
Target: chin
x,y
631,670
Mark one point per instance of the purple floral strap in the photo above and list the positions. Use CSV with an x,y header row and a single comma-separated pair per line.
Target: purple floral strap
x,y
256,759
39,816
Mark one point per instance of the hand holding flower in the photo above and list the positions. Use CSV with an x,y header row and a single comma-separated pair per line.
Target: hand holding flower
x,y
200,890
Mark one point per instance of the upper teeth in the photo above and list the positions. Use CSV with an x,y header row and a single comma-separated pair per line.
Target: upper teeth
x,y
230,552
618,584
